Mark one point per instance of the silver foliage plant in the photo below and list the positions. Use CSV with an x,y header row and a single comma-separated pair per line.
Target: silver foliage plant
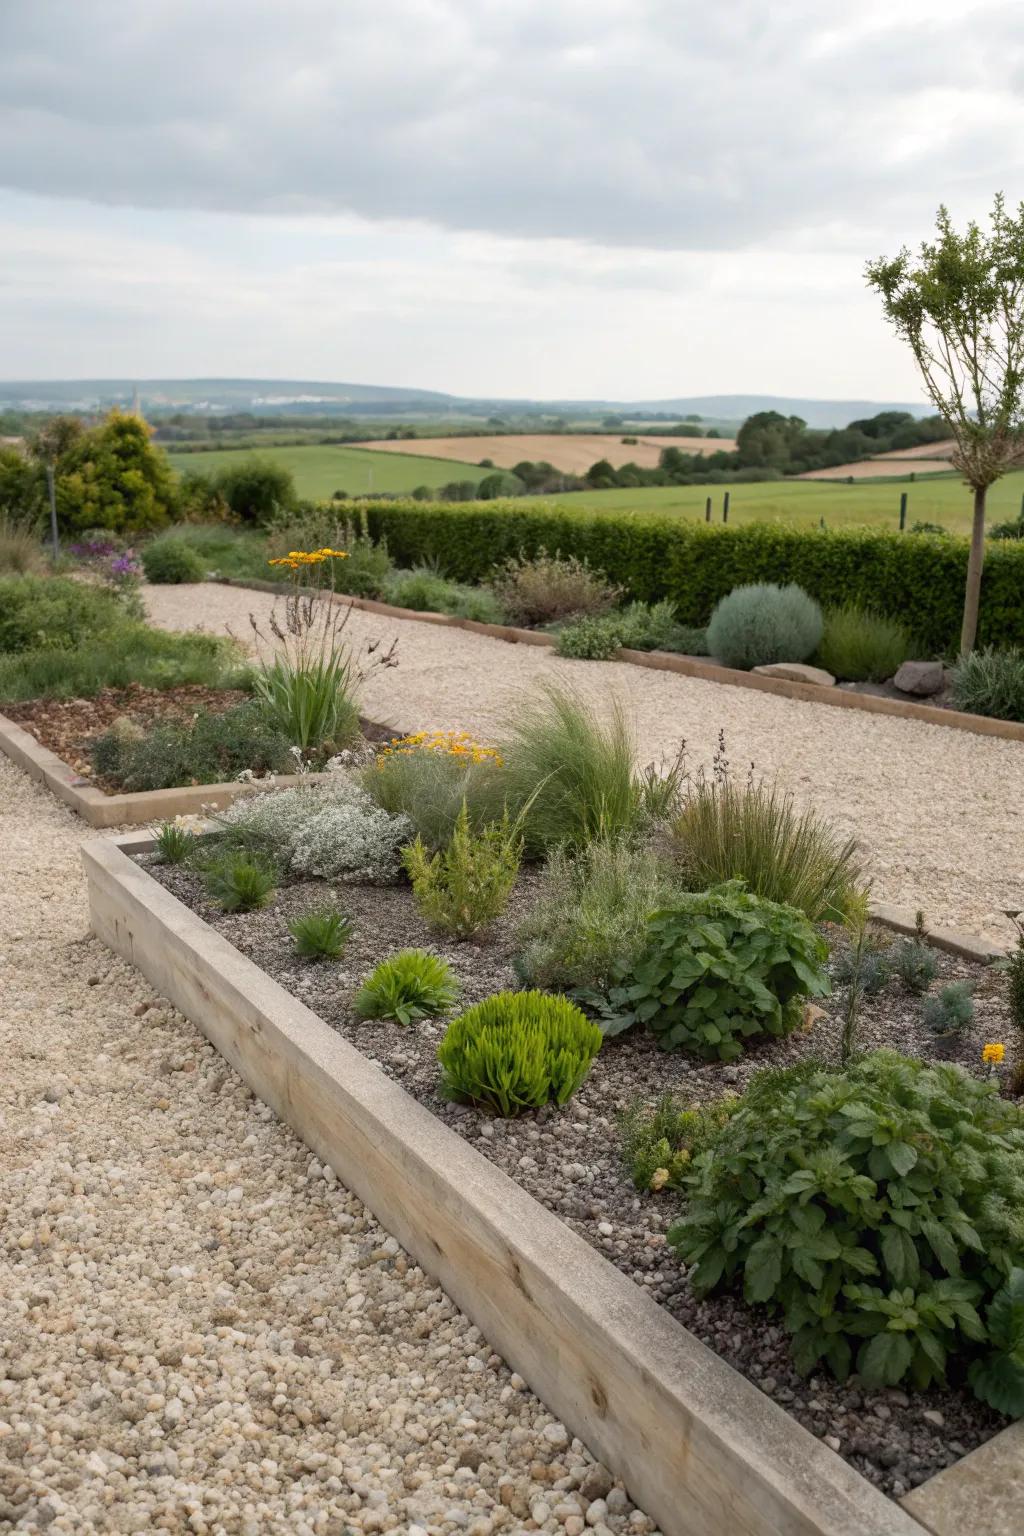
x,y
334,831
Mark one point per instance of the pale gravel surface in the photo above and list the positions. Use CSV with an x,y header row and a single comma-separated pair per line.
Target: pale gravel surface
x,y
937,811
202,1330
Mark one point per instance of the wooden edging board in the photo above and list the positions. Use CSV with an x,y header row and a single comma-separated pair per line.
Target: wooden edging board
x,y
144,806
689,666
697,1445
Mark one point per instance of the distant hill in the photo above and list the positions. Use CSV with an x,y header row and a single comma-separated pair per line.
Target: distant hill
x,y
304,397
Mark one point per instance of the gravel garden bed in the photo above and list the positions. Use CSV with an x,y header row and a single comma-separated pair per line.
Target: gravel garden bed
x,y
570,1159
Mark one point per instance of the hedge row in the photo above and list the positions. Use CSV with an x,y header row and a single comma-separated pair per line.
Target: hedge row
x,y
915,578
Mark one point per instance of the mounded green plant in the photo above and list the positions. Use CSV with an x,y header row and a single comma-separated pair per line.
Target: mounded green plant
x,y
950,1012
753,831
412,984
638,627
465,887
869,972
544,589
174,843
321,933
427,591
659,1140
588,924
240,882
54,613
517,1051
877,1207
859,646
763,623
208,749
990,682
423,780
721,968
569,775
310,704
172,561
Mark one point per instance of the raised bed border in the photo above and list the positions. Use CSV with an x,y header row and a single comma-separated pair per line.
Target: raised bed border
x,y
688,666
698,1446
99,809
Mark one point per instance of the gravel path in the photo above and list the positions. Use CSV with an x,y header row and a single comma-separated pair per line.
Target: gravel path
x,y
203,1331
936,810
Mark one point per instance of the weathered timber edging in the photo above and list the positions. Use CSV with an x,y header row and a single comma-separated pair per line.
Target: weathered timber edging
x,y
689,666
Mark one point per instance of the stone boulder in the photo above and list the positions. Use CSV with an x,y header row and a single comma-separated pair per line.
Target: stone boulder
x,y
921,677
796,672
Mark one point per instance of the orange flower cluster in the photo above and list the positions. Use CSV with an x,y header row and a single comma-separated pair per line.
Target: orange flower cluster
x,y
295,559
457,744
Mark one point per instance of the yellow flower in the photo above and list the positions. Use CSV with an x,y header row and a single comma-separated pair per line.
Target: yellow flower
x,y
659,1178
993,1052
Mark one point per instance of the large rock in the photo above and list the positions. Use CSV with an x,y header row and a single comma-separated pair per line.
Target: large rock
x,y
921,677
796,672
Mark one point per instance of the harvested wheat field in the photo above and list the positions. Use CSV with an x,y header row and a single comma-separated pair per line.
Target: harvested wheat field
x,y
569,452
886,465
943,450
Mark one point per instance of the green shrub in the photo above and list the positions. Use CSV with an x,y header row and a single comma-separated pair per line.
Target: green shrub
x,y
327,831
991,682
878,1208
757,625
569,776
366,570
209,749
172,561
950,1013
516,1051
722,967
914,962
412,984
421,777
862,647
54,613
547,588
464,888
917,581
312,704
588,924
426,591
321,933
660,1140
226,550
754,832
257,490
240,882
869,970
638,627
132,653
174,845
20,549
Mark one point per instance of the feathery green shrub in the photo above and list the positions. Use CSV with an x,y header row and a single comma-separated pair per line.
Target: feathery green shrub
x,y
991,682
321,933
763,623
466,886
518,1050
859,646
240,882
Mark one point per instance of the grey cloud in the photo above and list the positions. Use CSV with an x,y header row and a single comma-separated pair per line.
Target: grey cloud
x,y
622,122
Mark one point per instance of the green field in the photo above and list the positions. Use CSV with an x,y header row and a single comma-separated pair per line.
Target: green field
x,y
322,469
942,499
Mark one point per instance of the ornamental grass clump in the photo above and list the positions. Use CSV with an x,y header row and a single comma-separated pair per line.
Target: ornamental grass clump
x,y
517,1051
757,625
721,968
568,774
430,775
753,831
410,985
878,1209
240,882
588,924
174,843
990,682
862,647
461,890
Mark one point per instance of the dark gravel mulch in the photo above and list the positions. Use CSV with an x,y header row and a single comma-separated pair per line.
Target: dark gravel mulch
x,y
570,1159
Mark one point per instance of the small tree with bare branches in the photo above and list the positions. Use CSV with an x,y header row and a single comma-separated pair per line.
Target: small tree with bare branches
x,y
960,306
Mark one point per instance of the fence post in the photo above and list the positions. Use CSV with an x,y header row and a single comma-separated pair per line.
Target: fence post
x,y
51,492
903,510
725,508
707,510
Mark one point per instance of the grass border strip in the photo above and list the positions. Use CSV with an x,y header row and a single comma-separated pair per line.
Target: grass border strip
x,y
698,1446
687,666
102,810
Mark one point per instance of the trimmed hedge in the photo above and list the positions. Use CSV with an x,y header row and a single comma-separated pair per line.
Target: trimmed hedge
x,y
916,578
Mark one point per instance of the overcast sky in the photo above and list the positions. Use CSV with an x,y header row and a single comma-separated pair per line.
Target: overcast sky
x,y
618,198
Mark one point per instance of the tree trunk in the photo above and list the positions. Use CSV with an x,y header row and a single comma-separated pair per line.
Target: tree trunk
x,y
975,560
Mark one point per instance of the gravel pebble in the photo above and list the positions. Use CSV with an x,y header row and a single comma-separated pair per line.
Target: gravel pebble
x,y
932,807
204,1330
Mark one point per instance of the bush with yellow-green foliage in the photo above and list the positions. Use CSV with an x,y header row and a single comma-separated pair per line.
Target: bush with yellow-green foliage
x,y
517,1051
